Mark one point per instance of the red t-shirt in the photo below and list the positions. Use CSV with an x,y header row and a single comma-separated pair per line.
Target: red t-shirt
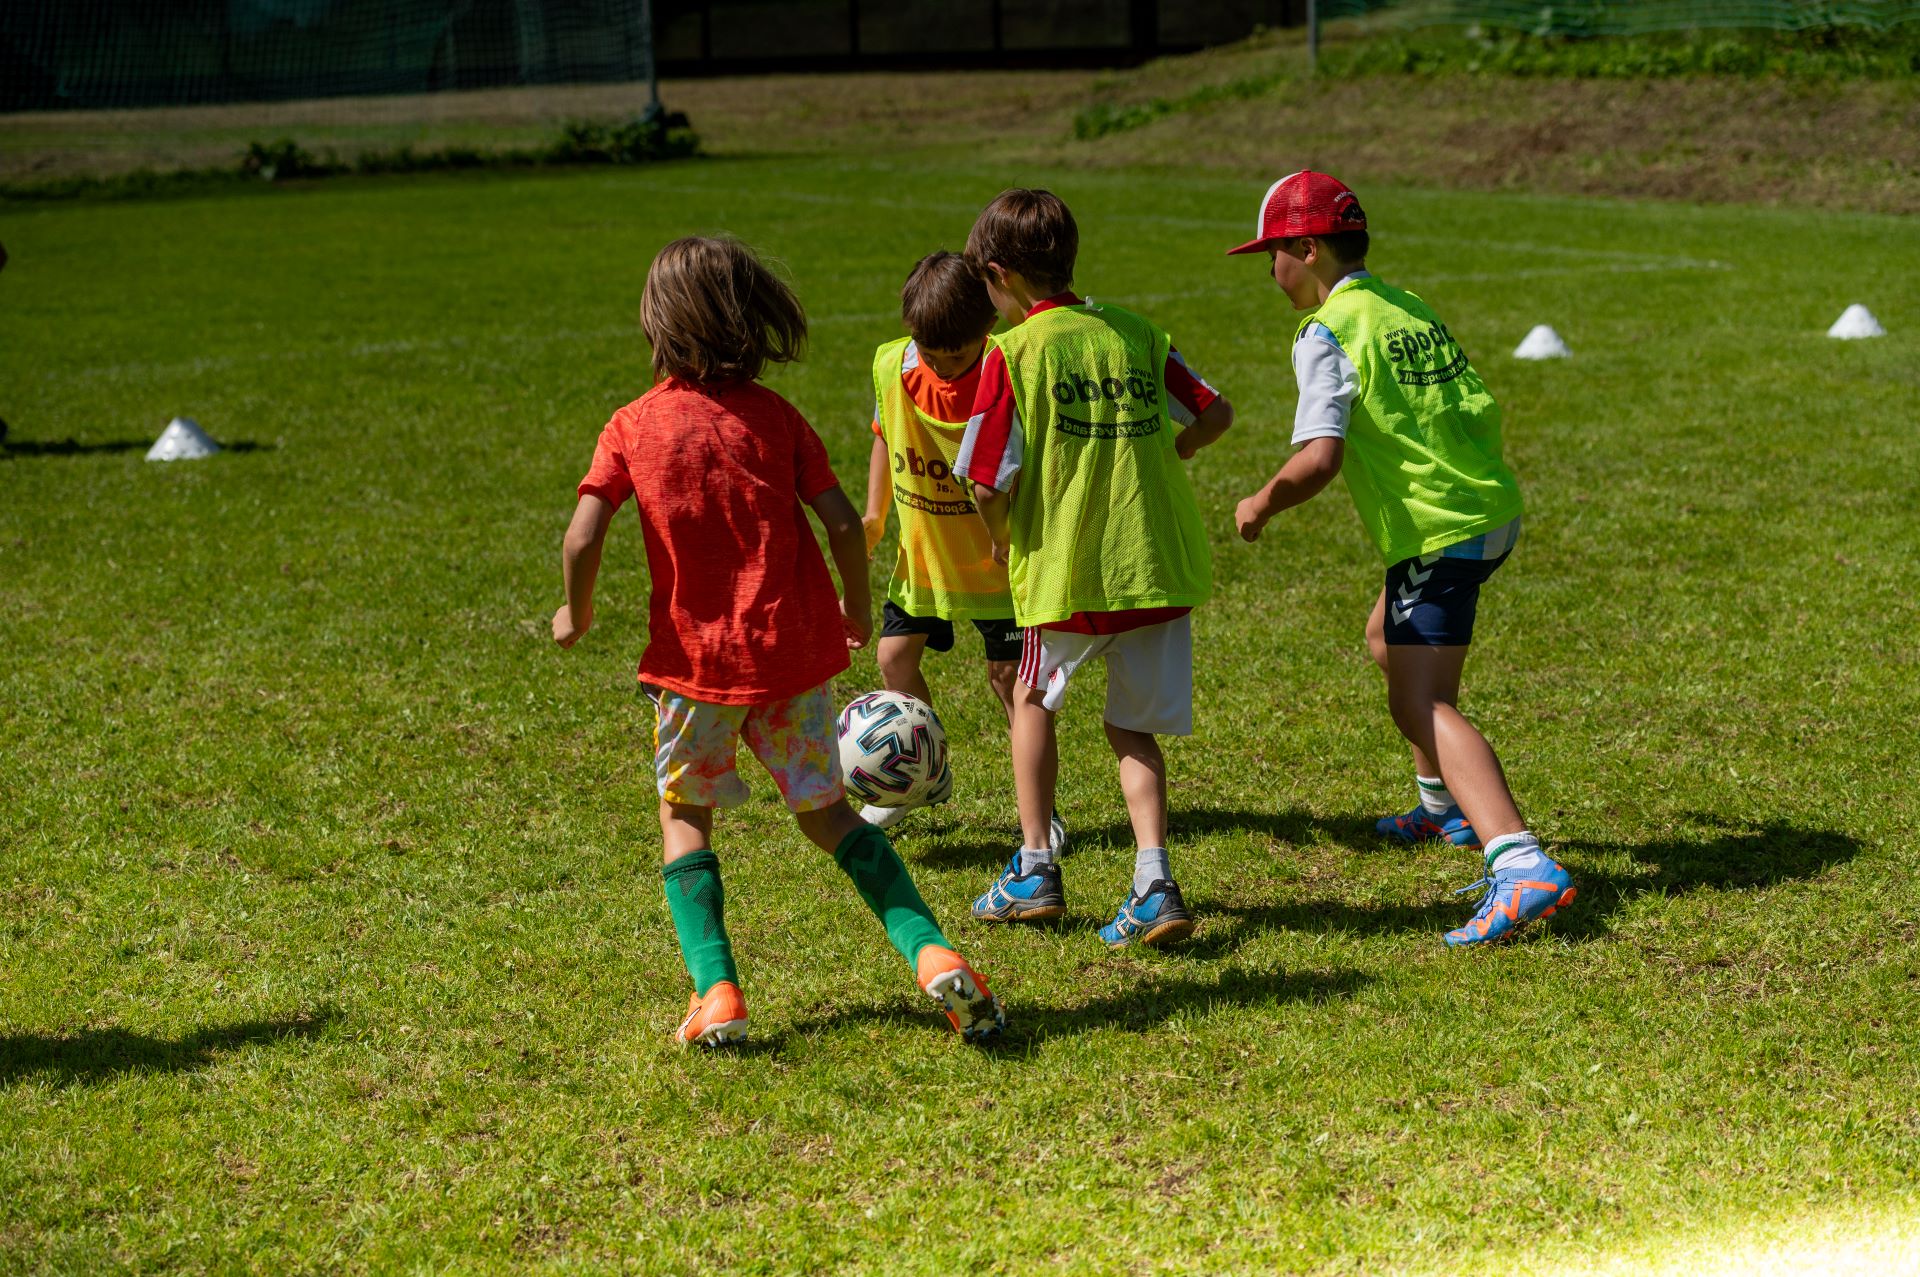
x,y
742,609
949,401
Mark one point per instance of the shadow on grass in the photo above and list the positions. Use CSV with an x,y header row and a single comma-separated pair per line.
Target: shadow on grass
x,y
74,448
1720,854
1293,825
1149,1000
1731,856
98,1055
1727,856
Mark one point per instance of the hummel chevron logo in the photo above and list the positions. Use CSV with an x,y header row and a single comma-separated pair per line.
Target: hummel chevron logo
x,y
1418,577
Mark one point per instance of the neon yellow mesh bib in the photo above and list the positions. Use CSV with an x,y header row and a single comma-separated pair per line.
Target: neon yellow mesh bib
x,y
1103,517
1423,456
945,567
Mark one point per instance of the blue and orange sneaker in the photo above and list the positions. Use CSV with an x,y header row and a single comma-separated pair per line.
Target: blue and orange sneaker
x,y
1156,917
1018,897
1518,894
1421,825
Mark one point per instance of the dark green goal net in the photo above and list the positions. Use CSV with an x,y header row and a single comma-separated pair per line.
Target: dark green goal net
x,y
58,54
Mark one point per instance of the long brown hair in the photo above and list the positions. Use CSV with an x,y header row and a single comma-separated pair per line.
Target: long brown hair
x,y
715,313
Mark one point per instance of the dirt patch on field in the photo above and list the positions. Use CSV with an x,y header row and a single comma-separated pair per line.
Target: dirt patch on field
x,y
1844,144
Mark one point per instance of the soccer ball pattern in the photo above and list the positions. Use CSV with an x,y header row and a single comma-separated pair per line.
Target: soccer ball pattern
x,y
893,751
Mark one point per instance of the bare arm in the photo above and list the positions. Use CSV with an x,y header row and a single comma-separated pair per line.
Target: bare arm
x,y
579,567
1206,429
996,510
879,493
1306,472
848,542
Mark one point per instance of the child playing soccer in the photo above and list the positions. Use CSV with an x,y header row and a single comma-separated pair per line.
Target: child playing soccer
x,y
1388,400
744,629
924,386
1075,459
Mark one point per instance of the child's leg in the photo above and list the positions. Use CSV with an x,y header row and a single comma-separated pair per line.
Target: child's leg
x,y
1036,767
1143,779
1423,764
695,897
1423,684
1149,691
1000,677
693,752
1522,882
795,740
899,657
1029,888
1004,644
866,856
1428,608
694,745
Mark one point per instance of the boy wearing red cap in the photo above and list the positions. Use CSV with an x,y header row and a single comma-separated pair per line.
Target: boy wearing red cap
x,y
1083,417
1389,402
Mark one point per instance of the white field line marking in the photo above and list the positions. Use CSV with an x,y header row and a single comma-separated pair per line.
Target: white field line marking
x,y
1650,261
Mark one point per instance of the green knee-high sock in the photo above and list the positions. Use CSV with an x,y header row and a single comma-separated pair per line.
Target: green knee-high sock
x,y
698,906
868,858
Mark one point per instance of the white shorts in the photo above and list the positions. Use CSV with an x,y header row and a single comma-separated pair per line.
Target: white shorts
x,y
1149,672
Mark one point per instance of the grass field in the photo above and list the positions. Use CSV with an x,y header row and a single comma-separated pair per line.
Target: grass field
x,y
332,936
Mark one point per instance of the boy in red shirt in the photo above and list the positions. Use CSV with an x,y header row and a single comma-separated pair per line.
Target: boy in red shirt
x,y
744,627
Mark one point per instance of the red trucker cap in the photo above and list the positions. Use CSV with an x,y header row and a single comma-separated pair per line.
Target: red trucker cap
x,y
1304,203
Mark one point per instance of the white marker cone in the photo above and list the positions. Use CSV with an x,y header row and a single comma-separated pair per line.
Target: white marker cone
x,y
1542,343
182,440
1856,321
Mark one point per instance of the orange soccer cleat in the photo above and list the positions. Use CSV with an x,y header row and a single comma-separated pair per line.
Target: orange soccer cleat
x,y
719,1019
945,977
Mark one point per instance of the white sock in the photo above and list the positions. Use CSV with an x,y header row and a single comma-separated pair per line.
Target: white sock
x,y
1434,795
1031,860
1513,851
1150,866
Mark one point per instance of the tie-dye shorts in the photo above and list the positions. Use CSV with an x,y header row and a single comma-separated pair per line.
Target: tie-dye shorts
x,y
695,743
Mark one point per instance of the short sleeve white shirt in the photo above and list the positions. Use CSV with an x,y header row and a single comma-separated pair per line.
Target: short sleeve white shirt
x,y
1327,378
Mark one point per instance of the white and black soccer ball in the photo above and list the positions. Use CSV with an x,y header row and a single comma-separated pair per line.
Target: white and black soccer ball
x,y
893,751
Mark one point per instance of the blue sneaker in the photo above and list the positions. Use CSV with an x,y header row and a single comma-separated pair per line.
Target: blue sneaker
x,y
1421,825
1018,897
1515,895
1160,916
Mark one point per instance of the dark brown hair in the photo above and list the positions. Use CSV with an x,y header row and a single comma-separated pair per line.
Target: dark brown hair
x,y
944,303
715,313
1030,232
1349,248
